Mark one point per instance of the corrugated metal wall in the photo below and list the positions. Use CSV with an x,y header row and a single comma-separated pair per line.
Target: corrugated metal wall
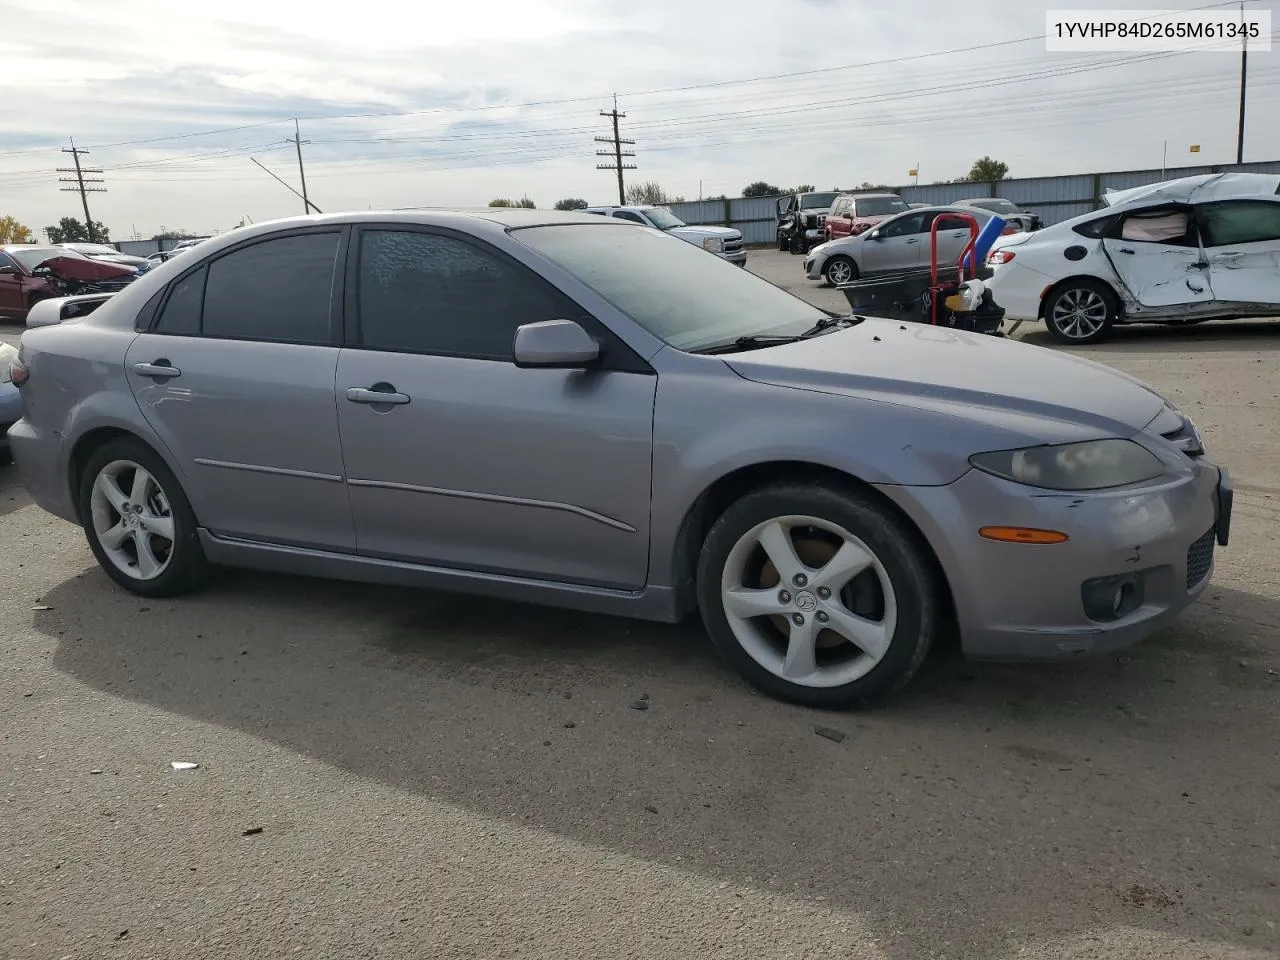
x,y
1053,198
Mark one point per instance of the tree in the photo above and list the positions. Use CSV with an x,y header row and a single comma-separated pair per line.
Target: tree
x,y
571,203
761,188
501,202
868,185
986,170
71,230
11,231
523,202
648,192
802,188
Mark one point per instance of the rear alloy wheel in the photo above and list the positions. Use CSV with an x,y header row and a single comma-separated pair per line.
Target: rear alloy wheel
x,y
840,270
818,596
1080,312
138,521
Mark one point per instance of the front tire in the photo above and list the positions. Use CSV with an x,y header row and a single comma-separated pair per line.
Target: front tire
x,y
1081,312
840,270
818,595
138,521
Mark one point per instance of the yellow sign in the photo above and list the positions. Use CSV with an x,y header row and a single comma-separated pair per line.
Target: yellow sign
x,y
913,173
1195,148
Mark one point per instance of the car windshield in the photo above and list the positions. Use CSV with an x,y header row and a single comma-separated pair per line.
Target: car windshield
x,y
664,219
996,205
32,257
879,206
681,294
814,201
88,248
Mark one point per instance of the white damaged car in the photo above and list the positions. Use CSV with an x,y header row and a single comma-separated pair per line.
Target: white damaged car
x,y
1181,251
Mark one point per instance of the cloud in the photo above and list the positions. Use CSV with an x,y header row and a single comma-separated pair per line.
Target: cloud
x,y
447,105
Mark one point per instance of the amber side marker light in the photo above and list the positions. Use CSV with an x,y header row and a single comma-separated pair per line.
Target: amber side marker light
x,y
1022,535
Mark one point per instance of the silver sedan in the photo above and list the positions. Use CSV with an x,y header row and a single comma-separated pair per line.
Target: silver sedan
x,y
897,244
569,410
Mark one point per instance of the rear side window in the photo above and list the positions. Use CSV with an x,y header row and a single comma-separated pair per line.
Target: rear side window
x,y
279,290
181,313
1094,228
1240,221
429,293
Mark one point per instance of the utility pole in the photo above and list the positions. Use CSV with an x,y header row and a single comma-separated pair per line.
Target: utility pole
x,y
309,205
617,151
1244,74
80,180
297,141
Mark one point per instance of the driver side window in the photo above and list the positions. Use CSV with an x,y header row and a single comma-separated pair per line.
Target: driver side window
x,y
904,226
628,215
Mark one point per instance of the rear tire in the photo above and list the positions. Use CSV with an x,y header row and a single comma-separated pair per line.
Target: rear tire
x,y
1081,312
150,547
818,595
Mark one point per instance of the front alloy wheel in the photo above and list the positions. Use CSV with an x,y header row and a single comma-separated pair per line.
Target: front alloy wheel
x,y
840,270
818,595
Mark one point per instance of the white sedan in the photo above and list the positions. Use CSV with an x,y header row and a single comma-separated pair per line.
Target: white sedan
x,y
1182,251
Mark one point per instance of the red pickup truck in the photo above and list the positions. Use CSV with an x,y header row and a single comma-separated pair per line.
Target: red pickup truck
x,y
854,213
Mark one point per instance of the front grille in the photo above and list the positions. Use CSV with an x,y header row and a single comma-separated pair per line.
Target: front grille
x,y
733,246
1199,560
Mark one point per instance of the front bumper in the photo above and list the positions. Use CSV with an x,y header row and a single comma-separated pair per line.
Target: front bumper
x,y
1028,601
738,257
814,264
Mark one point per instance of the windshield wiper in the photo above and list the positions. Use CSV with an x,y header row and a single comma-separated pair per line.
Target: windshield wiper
x,y
755,342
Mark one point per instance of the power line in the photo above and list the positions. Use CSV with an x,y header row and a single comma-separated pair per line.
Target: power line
x,y
297,141
80,180
617,151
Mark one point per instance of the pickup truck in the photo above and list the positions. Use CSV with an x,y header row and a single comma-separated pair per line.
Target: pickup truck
x,y
724,242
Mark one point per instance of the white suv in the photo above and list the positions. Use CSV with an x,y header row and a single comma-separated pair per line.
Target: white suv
x,y
722,241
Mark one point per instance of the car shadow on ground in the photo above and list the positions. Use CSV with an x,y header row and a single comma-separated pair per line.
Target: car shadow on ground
x,y
989,805
1221,336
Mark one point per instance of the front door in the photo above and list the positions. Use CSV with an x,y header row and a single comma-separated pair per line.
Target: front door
x,y
472,462
840,219
1242,245
1156,253
897,244
236,378
12,295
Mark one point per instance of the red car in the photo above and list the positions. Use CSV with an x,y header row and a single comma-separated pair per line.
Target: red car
x,y
853,214
29,273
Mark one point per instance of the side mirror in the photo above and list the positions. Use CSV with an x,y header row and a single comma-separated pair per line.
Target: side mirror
x,y
554,344
873,235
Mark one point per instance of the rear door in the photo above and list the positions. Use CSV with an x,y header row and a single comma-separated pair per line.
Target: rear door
x,y
236,377
1242,245
476,463
953,234
1156,253
897,244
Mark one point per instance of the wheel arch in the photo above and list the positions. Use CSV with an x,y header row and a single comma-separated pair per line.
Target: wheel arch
x,y
93,440
727,489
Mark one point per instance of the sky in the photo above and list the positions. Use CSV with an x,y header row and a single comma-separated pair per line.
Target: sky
x,y
452,104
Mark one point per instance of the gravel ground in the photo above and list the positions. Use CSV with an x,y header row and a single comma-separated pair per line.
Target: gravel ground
x,y
386,773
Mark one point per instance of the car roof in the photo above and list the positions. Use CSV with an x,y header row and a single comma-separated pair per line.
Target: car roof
x,y
1209,186
863,196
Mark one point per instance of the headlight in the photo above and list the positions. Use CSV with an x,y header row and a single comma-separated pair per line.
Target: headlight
x,y
8,354
1091,465
714,244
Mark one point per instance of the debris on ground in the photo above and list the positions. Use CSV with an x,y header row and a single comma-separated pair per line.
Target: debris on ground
x,y
93,773
830,734
640,705
252,832
184,765
569,724
652,809
42,606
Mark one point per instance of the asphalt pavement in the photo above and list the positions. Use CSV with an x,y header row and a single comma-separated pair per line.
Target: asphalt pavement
x,y
402,774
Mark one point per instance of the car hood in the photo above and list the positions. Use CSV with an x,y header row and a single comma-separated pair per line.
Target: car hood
x,y
959,374
720,233
73,268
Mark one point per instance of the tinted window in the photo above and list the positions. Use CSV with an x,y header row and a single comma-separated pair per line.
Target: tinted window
x,y
949,221
181,314
1094,228
671,288
275,290
902,226
427,293
1242,221
878,206
627,215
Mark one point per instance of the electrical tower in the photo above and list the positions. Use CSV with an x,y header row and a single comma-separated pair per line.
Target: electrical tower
x,y
617,152
80,180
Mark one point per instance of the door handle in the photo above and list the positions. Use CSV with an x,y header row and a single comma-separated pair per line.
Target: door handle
x,y
362,395
1124,250
160,369
913,240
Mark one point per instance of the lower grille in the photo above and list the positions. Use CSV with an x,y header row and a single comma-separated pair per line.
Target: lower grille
x,y
1199,560
732,246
